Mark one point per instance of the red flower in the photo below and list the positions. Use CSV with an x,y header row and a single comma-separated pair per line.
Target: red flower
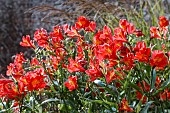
x,y
85,24
60,53
123,51
74,66
97,39
158,59
128,61
123,23
14,91
54,62
56,34
10,90
56,37
124,106
65,28
163,22
158,81
94,71
138,33
19,58
26,42
34,80
142,53
111,76
104,36
40,34
139,96
71,84
82,23
41,37
130,28
91,27
34,62
15,70
139,45
154,32
119,35
127,27
165,95
80,56
73,32
106,51
107,33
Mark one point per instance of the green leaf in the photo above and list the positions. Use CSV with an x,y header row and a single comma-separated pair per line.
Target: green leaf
x,y
111,104
145,109
98,101
64,107
164,86
99,82
148,69
153,79
49,100
136,87
138,107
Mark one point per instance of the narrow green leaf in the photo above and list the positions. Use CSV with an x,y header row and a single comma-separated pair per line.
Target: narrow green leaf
x,y
99,82
111,104
138,107
164,86
98,101
49,100
145,109
136,87
90,108
153,79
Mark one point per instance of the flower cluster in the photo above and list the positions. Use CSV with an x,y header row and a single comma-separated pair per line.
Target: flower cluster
x,y
118,68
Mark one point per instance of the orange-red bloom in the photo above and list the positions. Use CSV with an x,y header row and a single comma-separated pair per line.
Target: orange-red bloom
x,y
26,42
110,76
34,80
71,84
41,37
119,35
91,27
72,32
158,59
165,95
35,62
106,51
163,22
10,90
16,69
82,23
56,35
19,58
94,71
128,60
138,33
74,66
123,51
142,53
124,106
126,26
154,32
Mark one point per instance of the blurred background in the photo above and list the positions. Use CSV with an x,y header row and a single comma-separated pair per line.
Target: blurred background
x,y
22,17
